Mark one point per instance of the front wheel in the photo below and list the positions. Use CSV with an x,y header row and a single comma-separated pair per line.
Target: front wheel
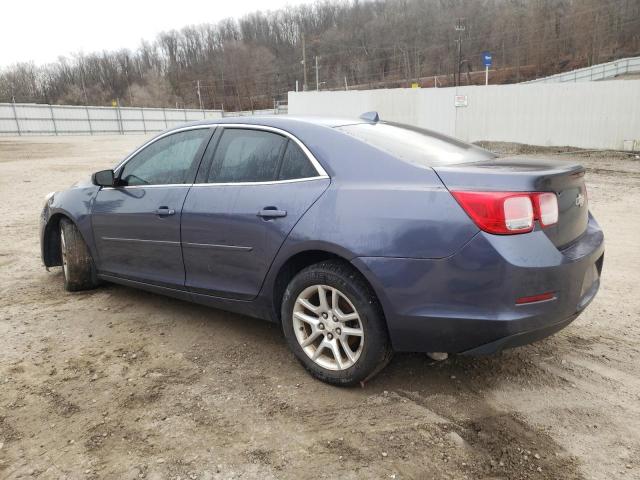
x,y
334,325
77,265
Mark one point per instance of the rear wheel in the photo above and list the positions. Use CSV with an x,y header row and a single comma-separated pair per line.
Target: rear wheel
x,y
334,324
77,265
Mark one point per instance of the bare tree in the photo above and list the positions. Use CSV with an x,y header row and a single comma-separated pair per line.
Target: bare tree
x,y
251,62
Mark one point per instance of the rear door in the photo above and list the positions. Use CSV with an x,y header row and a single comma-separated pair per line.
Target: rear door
x,y
136,225
257,183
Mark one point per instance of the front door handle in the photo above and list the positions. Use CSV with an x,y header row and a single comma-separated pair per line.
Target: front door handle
x,y
271,212
165,211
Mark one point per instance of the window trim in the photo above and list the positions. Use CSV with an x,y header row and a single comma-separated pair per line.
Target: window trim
x,y
321,172
213,167
119,166
117,169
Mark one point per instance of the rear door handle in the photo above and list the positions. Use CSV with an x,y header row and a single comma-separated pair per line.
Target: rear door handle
x,y
272,212
165,211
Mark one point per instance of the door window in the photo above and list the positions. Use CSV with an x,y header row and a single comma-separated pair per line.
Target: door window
x,y
170,160
245,155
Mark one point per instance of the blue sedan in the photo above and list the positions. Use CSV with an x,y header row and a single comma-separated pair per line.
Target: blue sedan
x,y
359,237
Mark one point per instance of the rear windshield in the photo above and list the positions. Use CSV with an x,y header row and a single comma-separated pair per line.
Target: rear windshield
x,y
415,145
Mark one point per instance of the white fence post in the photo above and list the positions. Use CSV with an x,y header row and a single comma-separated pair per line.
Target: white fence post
x,y
119,115
15,116
144,123
53,119
89,120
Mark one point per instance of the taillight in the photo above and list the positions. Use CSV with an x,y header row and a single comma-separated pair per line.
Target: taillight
x,y
547,208
518,213
507,213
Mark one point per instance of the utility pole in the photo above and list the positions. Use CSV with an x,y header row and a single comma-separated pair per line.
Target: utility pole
x,y
460,27
222,73
199,96
84,90
130,95
304,65
317,82
594,42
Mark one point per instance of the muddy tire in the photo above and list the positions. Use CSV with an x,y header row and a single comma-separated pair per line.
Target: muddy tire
x,y
334,324
77,265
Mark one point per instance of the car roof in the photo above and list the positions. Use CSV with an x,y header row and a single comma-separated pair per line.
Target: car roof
x,y
281,121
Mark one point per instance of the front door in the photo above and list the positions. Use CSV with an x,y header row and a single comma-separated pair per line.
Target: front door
x,y
258,186
136,224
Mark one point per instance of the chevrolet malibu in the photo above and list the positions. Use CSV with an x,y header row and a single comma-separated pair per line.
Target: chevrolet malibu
x,y
359,238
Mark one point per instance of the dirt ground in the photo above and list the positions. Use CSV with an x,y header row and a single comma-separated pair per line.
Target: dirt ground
x,y
118,383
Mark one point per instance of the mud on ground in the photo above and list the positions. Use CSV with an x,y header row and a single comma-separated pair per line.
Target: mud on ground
x,y
118,383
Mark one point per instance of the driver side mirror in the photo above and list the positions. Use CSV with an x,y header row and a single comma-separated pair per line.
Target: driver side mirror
x,y
103,178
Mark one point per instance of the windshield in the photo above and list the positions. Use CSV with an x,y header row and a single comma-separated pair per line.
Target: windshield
x,y
418,146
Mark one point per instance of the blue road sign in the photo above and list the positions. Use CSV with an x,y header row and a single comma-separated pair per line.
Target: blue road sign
x,y
487,59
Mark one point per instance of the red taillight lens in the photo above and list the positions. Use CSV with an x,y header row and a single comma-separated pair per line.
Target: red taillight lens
x,y
498,212
546,208
506,213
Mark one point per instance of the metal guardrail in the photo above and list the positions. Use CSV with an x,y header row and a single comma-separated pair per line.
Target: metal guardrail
x,y
601,71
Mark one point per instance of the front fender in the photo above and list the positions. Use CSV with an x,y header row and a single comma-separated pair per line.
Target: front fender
x,y
74,203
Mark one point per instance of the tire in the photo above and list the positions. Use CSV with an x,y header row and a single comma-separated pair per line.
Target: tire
x,y
77,265
324,331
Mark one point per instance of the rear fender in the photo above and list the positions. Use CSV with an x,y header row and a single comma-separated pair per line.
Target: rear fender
x,y
378,219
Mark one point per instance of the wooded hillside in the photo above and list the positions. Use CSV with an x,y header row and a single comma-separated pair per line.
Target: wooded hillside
x,y
252,62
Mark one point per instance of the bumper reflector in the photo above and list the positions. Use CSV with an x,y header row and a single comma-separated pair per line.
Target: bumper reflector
x,y
536,298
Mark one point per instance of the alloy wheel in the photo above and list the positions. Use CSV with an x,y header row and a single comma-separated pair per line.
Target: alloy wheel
x,y
328,327
63,252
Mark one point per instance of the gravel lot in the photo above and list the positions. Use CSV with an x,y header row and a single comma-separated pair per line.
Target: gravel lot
x,y
119,383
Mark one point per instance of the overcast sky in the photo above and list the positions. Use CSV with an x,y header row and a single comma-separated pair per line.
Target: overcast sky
x,y
42,30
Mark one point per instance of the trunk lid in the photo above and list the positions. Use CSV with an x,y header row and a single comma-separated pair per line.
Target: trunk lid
x,y
515,174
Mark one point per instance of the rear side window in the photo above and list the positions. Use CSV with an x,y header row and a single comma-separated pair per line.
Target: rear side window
x,y
295,164
415,145
246,156
170,160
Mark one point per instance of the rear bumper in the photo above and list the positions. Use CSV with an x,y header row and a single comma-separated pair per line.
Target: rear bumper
x,y
466,303
519,339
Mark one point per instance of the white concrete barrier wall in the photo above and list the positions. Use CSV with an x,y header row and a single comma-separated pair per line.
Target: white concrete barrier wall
x,y
36,119
428,108
601,115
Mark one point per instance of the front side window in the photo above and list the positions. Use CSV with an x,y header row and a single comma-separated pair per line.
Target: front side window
x,y
169,160
245,155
